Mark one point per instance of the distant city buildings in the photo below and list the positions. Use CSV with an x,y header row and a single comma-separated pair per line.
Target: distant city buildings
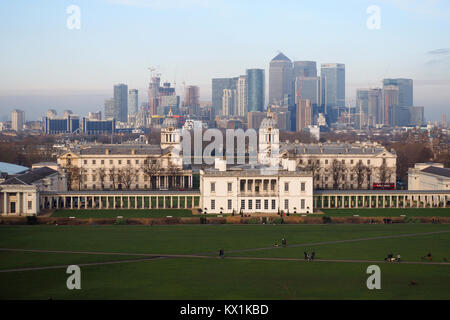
x,y
17,120
255,90
280,80
121,102
133,102
333,88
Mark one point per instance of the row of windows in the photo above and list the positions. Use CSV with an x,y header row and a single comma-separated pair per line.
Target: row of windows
x,y
343,161
286,187
258,203
94,162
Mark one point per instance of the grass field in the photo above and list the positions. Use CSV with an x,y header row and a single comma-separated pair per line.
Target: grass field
x,y
126,213
252,268
389,212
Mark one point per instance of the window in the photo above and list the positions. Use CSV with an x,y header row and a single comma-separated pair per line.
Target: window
x,y
326,161
258,204
286,204
250,204
266,204
213,204
343,161
128,162
368,161
94,162
110,161
302,187
213,187
120,161
230,204
85,162
273,204
242,204
309,161
302,203
137,162
351,161
93,186
30,205
102,162
230,187
286,186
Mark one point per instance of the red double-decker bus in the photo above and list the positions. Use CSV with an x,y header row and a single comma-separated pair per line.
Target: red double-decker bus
x,y
383,186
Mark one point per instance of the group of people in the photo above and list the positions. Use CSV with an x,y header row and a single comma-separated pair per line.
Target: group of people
x,y
390,258
283,243
309,257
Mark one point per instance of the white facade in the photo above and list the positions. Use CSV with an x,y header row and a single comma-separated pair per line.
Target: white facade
x,y
18,120
257,189
429,176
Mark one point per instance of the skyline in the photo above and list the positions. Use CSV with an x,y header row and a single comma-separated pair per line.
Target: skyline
x,y
45,65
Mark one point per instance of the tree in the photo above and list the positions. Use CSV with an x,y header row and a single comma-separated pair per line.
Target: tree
x,y
127,176
151,168
102,175
384,173
337,169
361,171
113,176
73,175
312,164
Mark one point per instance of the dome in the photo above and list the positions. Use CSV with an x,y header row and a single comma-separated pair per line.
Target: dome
x,y
268,122
170,123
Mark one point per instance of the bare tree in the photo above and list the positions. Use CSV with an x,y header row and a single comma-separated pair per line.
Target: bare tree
x,y
384,173
361,171
113,174
73,175
338,170
102,175
152,169
173,171
127,176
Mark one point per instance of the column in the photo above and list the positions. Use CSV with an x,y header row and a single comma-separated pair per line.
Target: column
x,y
321,201
329,202
71,202
129,202
135,202
5,202
19,207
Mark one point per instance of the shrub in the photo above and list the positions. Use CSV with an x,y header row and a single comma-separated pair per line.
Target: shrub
x,y
326,219
31,220
253,221
278,221
120,222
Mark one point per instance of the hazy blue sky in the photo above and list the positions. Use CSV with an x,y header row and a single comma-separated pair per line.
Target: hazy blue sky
x,y
44,64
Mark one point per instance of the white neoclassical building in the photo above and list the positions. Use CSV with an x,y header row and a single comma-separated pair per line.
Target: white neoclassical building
x,y
429,176
255,189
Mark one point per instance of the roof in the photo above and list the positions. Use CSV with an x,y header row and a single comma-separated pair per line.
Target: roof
x,y
10,168
444,172
312,149
121,149
247,170
30,177
281,57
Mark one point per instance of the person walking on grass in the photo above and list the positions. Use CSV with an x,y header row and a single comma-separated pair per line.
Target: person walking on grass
x,y
313,254
221,254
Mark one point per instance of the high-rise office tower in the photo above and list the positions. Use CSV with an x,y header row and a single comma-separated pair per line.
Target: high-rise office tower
x,y
153,95
229,102
241,90
18,120
390,101
121,102
369,104
405,90
304,114
255,89
308,88
307,69
133,102
333,88
192,96
218,85
109,108
280,80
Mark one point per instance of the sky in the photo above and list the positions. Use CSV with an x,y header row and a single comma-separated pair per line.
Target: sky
x,y
44,64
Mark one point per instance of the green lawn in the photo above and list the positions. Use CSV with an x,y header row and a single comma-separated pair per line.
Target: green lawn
x,y
206,278
126,213
389,212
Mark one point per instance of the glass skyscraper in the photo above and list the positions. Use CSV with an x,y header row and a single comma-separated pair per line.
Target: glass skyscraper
x,y
280,80
133,102
333,87
121,102
218,85
255,90
405,90
307,69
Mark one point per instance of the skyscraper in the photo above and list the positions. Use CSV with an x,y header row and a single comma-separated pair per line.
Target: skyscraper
x,y
192,96
133,102
121,102
229,102
369,103
153,95
390,101
280,80
304,114
218,85
405,90
109,108
307,69
255,89
333,88
17,120
241,91
308,88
